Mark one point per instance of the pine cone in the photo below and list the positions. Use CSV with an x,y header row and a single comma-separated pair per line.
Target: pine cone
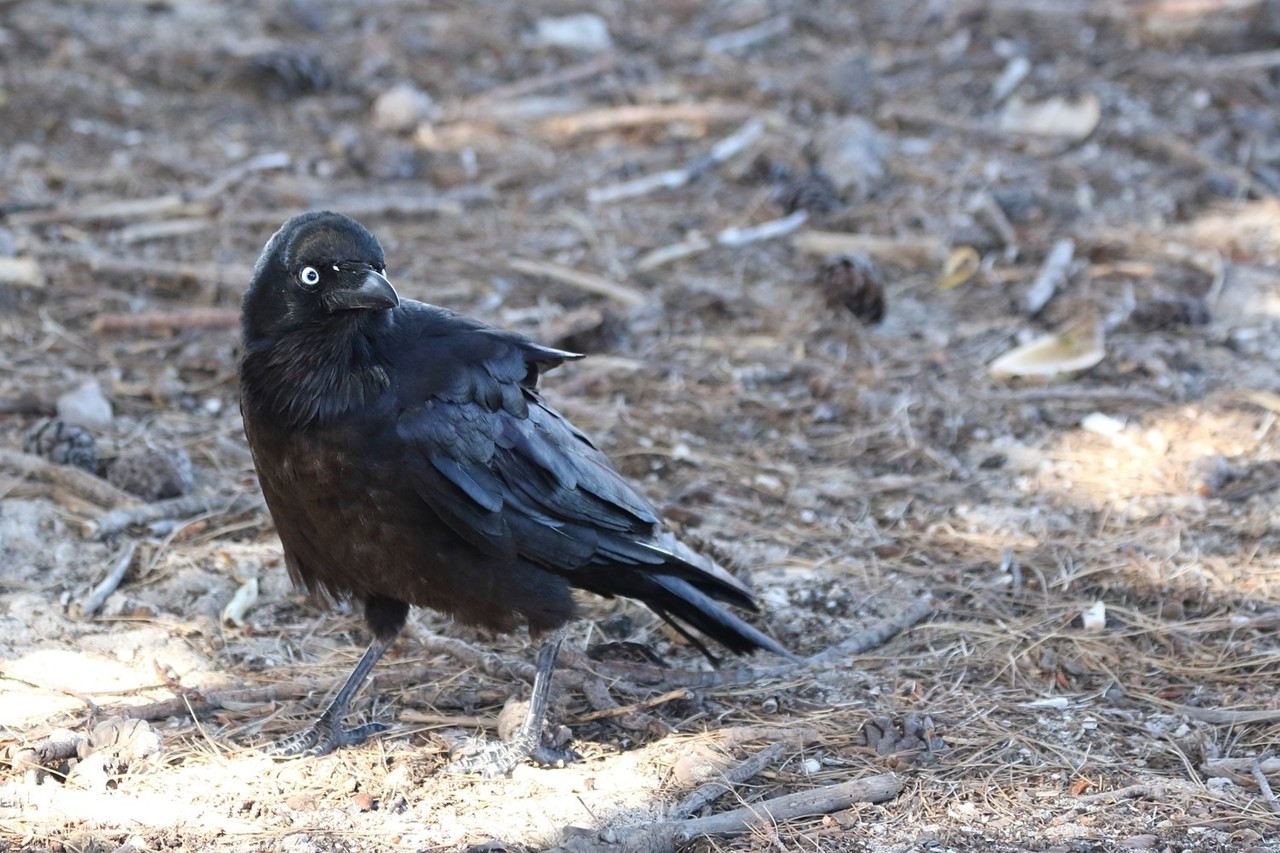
x,y
854,282
63,444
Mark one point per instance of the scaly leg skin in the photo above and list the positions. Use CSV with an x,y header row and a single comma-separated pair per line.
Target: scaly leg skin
x,y
498,758
327,733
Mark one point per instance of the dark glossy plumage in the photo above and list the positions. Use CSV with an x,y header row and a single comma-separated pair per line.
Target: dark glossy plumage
x,y
407,457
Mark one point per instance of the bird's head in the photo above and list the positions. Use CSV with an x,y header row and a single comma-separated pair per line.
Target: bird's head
x,y
317,268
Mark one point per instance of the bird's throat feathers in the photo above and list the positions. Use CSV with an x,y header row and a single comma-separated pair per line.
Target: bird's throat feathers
x,y
314,373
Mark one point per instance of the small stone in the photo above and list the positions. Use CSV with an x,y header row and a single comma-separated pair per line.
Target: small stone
x,y
812,766
1141,842
85,406
364,801
585,32
153,473
401,109
852,153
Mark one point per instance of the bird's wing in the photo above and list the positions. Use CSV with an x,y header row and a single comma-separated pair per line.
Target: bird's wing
x,y
511,475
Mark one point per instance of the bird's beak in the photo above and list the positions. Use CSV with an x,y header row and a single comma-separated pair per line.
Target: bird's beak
x,y
372,292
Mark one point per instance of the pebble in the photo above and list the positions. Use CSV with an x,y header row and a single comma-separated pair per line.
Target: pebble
x,y
586,32
852,154
85,406
401,109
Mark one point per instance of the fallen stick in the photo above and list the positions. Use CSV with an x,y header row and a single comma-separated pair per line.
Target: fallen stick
x,y
583,281
271,160
723,151
712,791
664,255
111,523
631,717
171,204
876,635
644,704
110,583
907,251
1052,275
669,835
639,115
479,105
774,228
1229,767
140,268
732,238
78,482
195,318
1213,716
749,36
1230,65
1264,786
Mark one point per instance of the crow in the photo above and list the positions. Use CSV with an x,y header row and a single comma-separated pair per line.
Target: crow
x,y
407,457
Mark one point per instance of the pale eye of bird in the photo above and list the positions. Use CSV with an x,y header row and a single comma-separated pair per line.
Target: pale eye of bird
x,y
310,276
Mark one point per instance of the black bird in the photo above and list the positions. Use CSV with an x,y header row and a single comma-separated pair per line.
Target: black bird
x,y
408,458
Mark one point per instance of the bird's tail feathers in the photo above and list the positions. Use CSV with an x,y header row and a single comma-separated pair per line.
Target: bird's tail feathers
x,y
685,606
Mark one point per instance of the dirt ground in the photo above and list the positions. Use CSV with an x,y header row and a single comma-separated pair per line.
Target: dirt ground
x,y
1065,588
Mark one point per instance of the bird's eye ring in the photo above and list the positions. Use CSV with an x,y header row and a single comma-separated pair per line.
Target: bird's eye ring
x,y
310,276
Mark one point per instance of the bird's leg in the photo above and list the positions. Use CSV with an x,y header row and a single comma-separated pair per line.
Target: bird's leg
x,y
386,618
498,758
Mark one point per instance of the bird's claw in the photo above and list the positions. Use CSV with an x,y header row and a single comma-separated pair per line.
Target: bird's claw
x,y
490,759
323,738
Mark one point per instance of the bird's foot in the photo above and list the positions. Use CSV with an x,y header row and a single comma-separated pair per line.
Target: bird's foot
x,y
322,738
493,758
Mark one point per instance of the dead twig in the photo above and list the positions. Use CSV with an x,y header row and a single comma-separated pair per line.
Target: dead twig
x,y
667,836
1231,767
906,251
110,583
1052,275
172,204
749,36
111,523
875,636
774,228
1213,716
195,318
639,115
583,281
630,717
1158,792
712,791
80,483
1217,66
481,105
140,269
1255,770
733,237
723,151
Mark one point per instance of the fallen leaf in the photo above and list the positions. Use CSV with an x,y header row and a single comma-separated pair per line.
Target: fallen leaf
x,y
1076,348
960,266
